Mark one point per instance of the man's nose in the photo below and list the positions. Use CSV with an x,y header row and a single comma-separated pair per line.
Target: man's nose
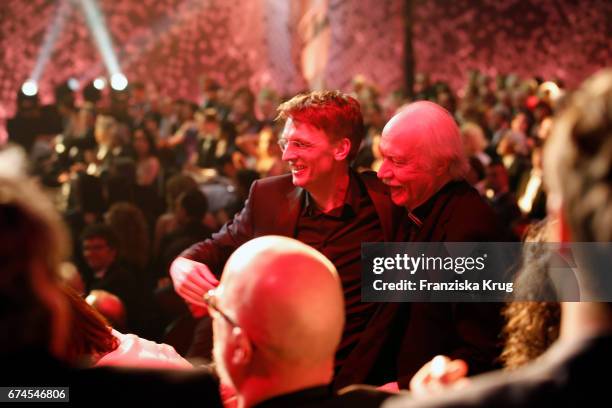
x,y
383,171
288,153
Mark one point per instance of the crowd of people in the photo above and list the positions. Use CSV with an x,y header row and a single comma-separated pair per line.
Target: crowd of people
x,y
143,184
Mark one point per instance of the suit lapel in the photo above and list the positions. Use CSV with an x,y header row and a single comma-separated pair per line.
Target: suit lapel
x,y
285,222
382,202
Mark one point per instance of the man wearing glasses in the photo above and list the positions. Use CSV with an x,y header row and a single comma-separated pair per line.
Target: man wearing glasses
x,y
322,203
272,344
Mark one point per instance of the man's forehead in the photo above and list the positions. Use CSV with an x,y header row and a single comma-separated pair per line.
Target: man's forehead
x,y
291,125
291,122
294,128
400,137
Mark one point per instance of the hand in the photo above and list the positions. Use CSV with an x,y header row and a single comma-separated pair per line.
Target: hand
x,y
192,280
439,374
197,311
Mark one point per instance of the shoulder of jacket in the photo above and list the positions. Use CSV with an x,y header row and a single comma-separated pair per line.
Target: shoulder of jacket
x,y
372,181
273,185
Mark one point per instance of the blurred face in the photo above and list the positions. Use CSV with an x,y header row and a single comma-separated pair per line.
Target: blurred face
x,y
151,125
309,153
407,167
141,144
186,112
493,119
98,254
241,106
519,123
103,129
138,95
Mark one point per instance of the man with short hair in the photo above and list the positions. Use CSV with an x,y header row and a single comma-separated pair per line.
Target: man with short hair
x,y
577,162
424,164
321,203
272,343
99,245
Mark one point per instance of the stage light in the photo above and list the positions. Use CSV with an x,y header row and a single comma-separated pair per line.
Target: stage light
x,y
73,84
118,81
99,83
29,88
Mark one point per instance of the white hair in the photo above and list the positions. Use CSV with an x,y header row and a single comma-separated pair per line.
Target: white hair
x,y
443,138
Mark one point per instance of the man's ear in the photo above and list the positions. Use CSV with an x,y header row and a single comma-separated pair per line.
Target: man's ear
x,y
342,149
242,350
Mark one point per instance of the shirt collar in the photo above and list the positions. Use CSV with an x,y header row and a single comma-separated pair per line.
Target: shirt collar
x,y
351,204
422,211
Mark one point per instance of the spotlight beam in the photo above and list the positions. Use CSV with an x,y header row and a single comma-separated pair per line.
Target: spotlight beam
x,y
61,15
97,27
161,28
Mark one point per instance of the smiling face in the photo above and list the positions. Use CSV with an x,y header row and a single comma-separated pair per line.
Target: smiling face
x,y
422,150
98,254
310,154
406,168
141,144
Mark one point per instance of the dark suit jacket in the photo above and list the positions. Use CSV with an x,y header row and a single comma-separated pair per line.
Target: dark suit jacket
x,y
123,282
567,375
273,208
519,166
404,336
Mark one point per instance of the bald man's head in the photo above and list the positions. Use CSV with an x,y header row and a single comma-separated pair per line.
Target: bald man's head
x,y
422,150
287,299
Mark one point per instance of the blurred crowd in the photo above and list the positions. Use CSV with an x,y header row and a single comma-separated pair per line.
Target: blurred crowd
x,y
140,177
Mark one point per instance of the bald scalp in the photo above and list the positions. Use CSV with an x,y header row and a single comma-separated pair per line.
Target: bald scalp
x,y
287,297
432,130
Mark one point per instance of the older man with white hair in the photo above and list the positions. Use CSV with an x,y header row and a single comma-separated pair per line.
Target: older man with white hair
x,y
424,164
578,159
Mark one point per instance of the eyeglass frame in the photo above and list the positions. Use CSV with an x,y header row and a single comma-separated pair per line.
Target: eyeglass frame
x,y
211,302
284,143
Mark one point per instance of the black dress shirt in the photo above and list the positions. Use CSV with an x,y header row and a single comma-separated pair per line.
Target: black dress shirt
x,y
338,235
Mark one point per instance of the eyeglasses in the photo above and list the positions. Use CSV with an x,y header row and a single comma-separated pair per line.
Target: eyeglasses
x,y
284,144
211,302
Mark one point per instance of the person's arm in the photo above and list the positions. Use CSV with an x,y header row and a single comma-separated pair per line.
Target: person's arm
x,y
134,351
198,268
